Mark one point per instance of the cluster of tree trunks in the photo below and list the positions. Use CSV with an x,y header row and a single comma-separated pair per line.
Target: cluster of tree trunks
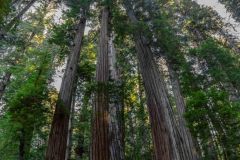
x,y
171,138
168,139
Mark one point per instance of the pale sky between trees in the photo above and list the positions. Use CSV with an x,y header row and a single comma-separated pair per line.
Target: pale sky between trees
x,y
222,12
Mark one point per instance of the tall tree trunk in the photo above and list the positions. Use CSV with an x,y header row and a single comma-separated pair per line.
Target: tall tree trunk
x,y
57,143
100,131
115,109
180,105
164,142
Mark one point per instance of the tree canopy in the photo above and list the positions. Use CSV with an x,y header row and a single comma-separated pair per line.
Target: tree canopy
x,y
119,80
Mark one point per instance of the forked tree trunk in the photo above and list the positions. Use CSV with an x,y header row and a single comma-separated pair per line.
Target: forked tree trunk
x,y
115,109
100,127
180,105
57,143
165,147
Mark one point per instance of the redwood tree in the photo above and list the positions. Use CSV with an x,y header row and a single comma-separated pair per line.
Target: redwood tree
x,y
57,143
100,128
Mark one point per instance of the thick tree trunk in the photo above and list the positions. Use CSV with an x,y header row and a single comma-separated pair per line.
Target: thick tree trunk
x,y
157,103
57,143
165,146
100,131
190,149
115,110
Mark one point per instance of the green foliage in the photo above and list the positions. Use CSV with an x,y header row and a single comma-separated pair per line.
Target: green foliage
x,y
83,107
209,75
138,144
214,121
223,64
212,114
63,35
4,10
25,108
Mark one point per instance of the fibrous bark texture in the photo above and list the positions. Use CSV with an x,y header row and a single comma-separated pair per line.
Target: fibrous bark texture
x,y
115,109
165,145
100,127
57,143
191,152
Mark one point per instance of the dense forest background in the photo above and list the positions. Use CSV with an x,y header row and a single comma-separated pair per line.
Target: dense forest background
x,y
119,80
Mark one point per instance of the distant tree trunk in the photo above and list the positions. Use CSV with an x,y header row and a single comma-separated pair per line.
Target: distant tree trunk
x,y
100,131
19,15
115,109
162,131
180,105
25,139
57,143
4,83
21,146
79,150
